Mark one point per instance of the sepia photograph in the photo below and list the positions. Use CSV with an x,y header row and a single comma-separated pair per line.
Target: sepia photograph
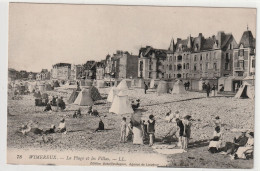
x,y
131,86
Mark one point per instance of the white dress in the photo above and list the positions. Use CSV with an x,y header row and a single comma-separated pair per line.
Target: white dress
x,y
248,148
138,135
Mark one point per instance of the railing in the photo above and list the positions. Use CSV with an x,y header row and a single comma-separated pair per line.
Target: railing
x,y
238,68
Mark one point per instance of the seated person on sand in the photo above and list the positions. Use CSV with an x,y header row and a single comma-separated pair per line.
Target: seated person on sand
x,y
61,104
77,114
94,113
231,147
53,101
62,126
101,126
216,141
246,152
90,110
48,107
51,130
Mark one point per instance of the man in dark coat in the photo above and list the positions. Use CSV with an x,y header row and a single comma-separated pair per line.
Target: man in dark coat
x,y
208,89
145,88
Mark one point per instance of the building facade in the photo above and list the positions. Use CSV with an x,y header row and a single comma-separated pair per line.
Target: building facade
x,y
43,75
200,57
151,63
75,72
244,56
61,71
100,70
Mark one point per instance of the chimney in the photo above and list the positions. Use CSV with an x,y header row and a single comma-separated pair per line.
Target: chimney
x,y
189,42
220,37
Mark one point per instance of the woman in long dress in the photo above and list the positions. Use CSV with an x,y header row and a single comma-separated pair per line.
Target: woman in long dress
x,y
244,152
138,133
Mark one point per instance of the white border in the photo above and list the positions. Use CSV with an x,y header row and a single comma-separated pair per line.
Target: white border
x,y
4,66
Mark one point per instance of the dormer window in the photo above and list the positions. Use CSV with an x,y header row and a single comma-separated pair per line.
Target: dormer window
x,y
230,46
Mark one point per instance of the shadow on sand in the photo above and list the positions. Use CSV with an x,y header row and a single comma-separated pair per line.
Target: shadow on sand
x,y
197,144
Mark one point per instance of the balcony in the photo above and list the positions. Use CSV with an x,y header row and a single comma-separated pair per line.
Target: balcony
x,y
238,69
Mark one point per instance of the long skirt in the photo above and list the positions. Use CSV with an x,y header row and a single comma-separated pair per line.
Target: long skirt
x,y
241,151
138,135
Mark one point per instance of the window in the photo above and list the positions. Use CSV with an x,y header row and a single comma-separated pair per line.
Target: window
x,y
150,67
171,58
227,66
201,57
227,58
241,52
207,56
170,67
150,75
187,57
183,66
253,63
215,55
179,58
215,66
195,67
230,46
241,64
195,58
207,66
187,66
201,67
174,58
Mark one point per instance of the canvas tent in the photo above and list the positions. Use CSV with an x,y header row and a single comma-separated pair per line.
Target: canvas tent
x,y
178,88
95,95
122,85
121,104
84,98
113,91
37,94
41,87
162,87
246,91
73,96
56,84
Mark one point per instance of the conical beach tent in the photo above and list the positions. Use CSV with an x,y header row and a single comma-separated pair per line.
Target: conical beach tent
x,y
246,91
73,96
178,88
95,95
56,84
122,85
162,87
113,91
121,104
84,98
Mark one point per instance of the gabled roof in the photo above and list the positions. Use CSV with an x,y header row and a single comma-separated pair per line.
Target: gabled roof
x,y
207,44
247,40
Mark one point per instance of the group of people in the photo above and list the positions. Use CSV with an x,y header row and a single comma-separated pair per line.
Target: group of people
x,y
138,131
209,89
56,101
241,147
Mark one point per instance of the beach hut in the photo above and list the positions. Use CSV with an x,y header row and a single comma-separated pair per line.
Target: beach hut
x,y
162,87
84,98
178,88
246,91
121,104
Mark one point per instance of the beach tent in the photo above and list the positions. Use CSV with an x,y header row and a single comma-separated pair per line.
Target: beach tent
x,y
113,91
178,88
84,98
37,94
162,87
152,83
48,87
121,104
94,93
56,84
122,85
246,91
73,96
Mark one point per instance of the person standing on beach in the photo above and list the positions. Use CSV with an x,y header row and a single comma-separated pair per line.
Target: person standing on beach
x,y
181,131
187,131
208,89
151,129
123,130
145,88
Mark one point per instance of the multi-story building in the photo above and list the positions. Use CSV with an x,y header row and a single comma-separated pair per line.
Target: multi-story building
x,y
199,57
244,56
43,75
61,71
151,63
90,69
75,72
121,65
32,76
100,70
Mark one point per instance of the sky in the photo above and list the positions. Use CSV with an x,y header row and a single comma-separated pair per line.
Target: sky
x,y
41,35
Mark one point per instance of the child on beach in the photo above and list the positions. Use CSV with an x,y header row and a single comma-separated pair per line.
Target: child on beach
x,y
181,131
123,130
151,129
